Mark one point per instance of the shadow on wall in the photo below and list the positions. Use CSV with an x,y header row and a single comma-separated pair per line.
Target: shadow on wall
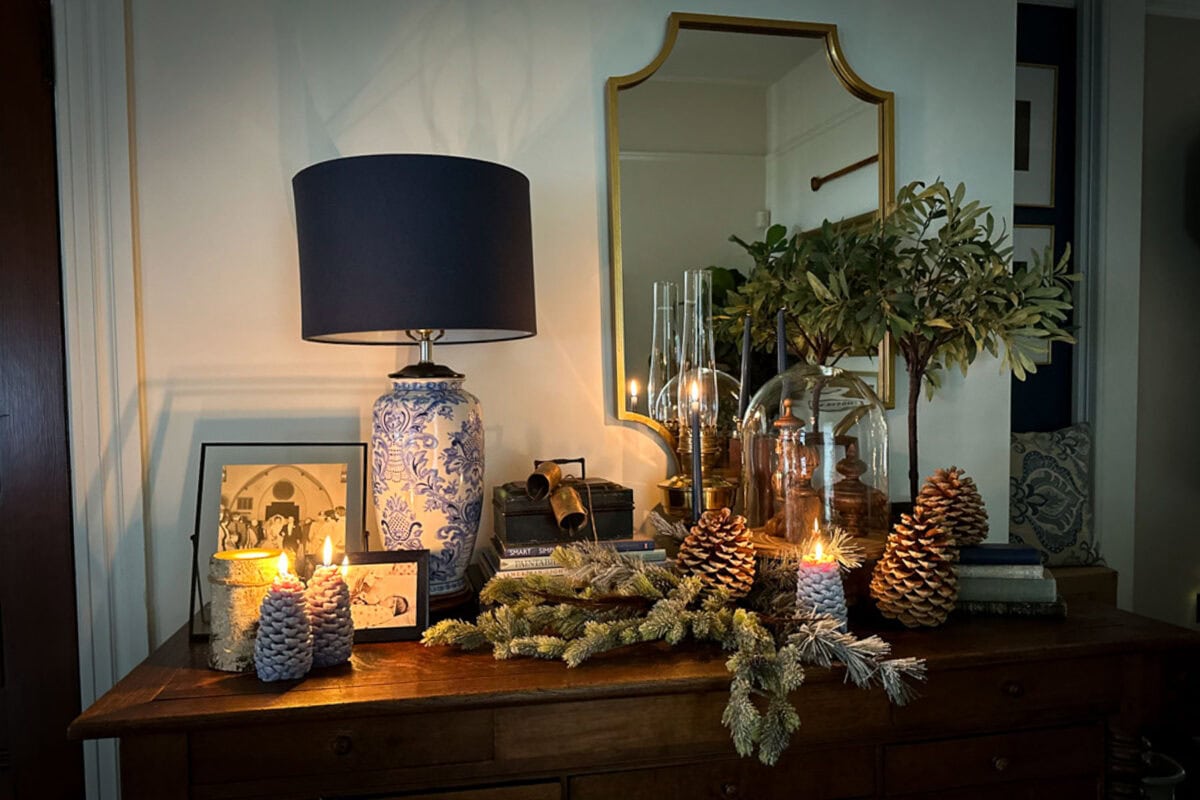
x,y
1191,192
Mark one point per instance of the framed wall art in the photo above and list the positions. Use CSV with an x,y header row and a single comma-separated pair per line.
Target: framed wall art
x,y
1027,240
1036,123
276,496
389,594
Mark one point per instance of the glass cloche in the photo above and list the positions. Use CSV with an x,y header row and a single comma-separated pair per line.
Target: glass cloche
x,y
815,441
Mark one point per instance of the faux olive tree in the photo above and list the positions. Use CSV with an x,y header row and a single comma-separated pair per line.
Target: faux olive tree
x,y
938,278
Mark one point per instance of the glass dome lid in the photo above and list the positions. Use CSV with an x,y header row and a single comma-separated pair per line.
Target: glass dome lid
x,y
815,454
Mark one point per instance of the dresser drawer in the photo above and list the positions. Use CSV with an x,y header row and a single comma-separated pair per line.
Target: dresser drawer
x,y
1026,693
523,791
256,752
813,775
981,761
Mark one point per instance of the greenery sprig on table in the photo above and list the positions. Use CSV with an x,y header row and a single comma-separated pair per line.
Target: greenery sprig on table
x,y
605,600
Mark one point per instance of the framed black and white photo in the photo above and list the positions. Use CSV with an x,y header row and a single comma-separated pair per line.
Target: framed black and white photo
x,y
287,497
389,594
1036,122
1027,240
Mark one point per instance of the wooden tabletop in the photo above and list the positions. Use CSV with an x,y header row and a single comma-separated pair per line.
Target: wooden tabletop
x,y
174,690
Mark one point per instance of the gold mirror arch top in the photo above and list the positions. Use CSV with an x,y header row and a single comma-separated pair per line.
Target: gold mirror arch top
x,y
846,76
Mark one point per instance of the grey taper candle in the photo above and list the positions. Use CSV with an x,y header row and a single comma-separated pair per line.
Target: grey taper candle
x,y
744,387
780,343
697,469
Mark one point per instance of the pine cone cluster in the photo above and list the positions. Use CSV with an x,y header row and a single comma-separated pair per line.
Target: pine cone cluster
x,y
719,550
951,501
915,582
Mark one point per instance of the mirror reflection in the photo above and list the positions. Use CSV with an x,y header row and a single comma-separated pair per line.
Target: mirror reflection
x,y
736,126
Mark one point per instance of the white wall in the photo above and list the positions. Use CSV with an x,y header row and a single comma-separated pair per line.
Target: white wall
x,y
815,127
1167,572
233,98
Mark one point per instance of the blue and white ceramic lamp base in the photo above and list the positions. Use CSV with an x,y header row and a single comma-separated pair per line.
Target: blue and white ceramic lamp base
x,y
427,474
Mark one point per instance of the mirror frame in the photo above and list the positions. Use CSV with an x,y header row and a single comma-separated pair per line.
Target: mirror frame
x,y
677,21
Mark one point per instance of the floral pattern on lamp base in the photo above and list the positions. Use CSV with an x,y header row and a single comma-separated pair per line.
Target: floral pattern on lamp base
x,y
427,474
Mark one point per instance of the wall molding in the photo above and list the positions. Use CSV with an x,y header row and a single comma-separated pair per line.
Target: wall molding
x,y
102,321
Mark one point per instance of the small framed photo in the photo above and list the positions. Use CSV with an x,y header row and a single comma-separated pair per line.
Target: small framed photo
x,y
389,594
1036,123
1027,240
287,497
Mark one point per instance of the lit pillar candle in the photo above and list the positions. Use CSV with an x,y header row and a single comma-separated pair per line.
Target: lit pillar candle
x,y
633,394
697,467
819,587
283,647
328,600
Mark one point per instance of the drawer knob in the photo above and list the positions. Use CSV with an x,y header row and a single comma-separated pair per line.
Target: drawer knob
x,y
729,790
342,745
999,763
1014,688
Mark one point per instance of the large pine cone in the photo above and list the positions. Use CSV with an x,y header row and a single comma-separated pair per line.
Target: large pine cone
x,y
951,500
915,582
719,550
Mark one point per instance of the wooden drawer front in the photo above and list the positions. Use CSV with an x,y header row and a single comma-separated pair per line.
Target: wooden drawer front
x,y
812,775
1064,789
524,791
1024,693
983,760
338,747
600,732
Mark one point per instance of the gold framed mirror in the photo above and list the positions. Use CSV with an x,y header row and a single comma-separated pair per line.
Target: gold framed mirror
x,y
736,124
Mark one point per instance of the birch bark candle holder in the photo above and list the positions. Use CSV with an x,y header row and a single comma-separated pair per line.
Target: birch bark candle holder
x,y
240,580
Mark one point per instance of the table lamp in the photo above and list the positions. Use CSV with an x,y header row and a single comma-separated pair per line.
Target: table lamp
x,y
412,250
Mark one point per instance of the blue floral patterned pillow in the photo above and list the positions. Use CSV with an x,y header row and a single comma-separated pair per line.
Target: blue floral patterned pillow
x,y
1050,495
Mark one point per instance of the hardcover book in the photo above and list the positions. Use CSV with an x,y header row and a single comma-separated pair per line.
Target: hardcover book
x,y
1043,590
532,550
999,554
1010,571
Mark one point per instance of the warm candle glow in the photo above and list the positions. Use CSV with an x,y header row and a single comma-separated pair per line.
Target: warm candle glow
x,y
633,389
695,394
283,564
327,551
820,551
345,565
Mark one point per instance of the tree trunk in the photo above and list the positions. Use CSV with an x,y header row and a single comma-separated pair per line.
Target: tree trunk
x,y
915,379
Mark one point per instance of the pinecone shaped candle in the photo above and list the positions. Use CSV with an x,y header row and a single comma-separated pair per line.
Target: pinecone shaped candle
x,y
951,500
283,647
328,602
915,582
719,550
819,587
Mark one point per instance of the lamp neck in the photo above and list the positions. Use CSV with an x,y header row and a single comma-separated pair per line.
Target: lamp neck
x,y
425,368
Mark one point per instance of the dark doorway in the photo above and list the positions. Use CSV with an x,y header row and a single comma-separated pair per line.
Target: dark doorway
x,y
39,654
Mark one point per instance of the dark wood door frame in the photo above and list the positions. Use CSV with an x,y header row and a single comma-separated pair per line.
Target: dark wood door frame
x,y
39,652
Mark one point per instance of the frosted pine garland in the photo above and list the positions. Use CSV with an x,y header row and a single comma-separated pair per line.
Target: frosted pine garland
x,y
328,600
283,647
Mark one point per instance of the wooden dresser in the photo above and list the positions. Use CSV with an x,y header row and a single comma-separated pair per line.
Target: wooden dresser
x,y
1012,709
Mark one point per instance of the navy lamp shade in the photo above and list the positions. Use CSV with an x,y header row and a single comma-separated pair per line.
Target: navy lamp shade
x,y
390,244
412,249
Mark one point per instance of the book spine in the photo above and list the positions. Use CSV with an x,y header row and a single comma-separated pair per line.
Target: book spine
x,y
522,573
1012,609
543,562
1007,571
538,550
984,589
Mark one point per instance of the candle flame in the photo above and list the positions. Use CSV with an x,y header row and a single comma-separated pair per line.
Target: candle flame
x,y
820,551
345,565
695,392
633,387
283,564
816,526
327,551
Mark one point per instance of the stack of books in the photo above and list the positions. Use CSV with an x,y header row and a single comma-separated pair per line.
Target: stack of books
x,y
1006,579
515,561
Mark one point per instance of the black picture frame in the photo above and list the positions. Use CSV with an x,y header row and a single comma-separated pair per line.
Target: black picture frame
x,y
216,456
380,562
